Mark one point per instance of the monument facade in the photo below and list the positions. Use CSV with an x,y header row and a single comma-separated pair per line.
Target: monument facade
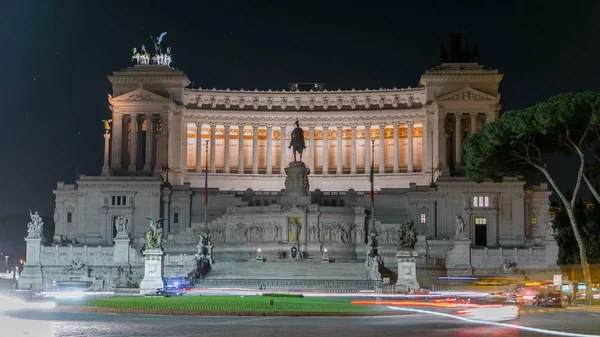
x,y
315,198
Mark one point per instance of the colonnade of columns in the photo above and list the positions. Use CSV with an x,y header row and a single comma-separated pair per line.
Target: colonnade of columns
x,y
458,134
311,159
128,142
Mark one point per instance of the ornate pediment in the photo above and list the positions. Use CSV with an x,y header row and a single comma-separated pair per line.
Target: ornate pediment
x,y
138,95
467,94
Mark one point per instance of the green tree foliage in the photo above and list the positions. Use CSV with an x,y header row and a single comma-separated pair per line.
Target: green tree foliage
x,y
516,143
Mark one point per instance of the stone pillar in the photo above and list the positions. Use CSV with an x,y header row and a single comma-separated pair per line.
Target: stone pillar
x,y
311,147
213,147
255,148
31,277
153,271
407,270
198,146
117,142
227,145
105,167
159,144
269,148
149,142
353,148
367,148
338,160
166,206
441,141
241,148
425,146
121,250
134,143
473,123
458,139
325,149
382,148
283,148
409,149
396,147
458,261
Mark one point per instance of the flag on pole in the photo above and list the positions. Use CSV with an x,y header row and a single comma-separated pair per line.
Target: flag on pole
x,y
372,180
206,188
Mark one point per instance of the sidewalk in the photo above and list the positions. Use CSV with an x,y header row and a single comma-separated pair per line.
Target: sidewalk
x,y
595,308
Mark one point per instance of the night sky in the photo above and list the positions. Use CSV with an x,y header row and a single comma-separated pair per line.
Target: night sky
x,y
56,56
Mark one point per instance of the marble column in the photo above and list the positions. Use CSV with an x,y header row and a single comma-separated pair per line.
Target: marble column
x,y
458,151
117,141
338,148
325,149
149,142
381,147
269,148
241,148
134,143
213,147
396,147
442,159
255,148
226,159
409,150
311,147
105,167
198,146
367,148
283,148
353,148
473,123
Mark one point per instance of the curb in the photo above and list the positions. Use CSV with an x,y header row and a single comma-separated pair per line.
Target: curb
x,y
227,313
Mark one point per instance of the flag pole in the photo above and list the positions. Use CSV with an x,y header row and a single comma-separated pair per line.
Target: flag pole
x,y
206,190
372,178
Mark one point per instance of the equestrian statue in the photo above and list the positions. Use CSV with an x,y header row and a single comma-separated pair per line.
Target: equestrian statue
x,y
297,141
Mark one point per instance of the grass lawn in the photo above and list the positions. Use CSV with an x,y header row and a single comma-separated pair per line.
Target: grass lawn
x,y
222,303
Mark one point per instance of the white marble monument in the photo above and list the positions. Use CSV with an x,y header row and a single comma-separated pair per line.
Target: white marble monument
x,y
154,263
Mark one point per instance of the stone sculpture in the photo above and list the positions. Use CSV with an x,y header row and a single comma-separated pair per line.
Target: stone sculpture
x,y
107,124
121,226
35,226
407,236
457,53
297,141
154,234
461,228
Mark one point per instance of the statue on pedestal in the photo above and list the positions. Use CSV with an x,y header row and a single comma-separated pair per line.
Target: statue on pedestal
x,y
461,228
107,124
297,141
35,226
121,226
154,234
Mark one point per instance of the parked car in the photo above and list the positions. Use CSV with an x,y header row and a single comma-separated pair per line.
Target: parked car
x,y
171,290
553,300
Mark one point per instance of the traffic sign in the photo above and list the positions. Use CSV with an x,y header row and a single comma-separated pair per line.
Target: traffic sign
x,y
558,280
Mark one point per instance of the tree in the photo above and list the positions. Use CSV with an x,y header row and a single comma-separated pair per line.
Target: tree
x,y
516,143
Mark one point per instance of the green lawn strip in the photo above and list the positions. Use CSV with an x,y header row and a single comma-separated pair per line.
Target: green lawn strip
x,y
583,302
222,303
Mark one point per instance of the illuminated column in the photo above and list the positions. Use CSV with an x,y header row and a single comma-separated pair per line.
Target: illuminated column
x,y
134,141
269,148
213,147
409,150
105,168
241,148
283,147
441,141
255,148
396,147
325,149
367,148
149,142
381,147
338,148
198,146
311,147
353,148
458,139
227,144
473,123
117,140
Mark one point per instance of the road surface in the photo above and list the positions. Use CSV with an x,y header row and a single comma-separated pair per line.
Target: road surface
x,y
43,323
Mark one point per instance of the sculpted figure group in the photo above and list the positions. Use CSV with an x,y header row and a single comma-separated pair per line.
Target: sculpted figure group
x,y
154,234
407,236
